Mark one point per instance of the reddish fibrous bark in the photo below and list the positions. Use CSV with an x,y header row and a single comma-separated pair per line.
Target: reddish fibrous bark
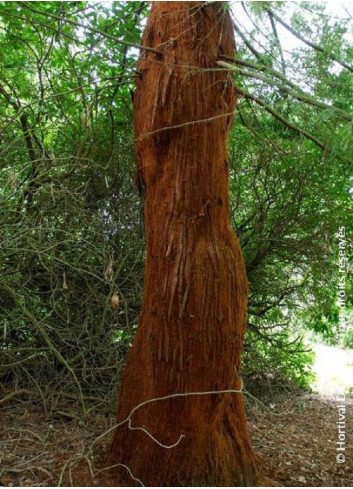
x,y
190,332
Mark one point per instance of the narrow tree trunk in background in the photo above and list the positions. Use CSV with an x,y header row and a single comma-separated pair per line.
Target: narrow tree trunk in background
x,y
190,333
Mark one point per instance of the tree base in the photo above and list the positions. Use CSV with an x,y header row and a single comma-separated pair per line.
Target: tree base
x,y
213,450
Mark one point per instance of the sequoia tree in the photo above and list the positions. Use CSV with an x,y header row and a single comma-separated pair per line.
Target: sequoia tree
x,y
177,425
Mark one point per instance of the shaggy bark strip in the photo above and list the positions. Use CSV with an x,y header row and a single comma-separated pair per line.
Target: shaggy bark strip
x,y
190,332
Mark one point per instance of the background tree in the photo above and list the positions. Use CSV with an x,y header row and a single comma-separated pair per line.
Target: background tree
x,y
70,214
295,194
71,223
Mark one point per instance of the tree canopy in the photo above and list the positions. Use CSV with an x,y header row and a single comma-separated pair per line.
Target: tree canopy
x,y
72,230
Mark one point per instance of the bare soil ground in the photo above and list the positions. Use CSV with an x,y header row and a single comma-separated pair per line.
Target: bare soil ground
x,y
294,435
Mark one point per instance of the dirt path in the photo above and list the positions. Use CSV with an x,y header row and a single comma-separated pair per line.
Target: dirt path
x,y
297,441
295,437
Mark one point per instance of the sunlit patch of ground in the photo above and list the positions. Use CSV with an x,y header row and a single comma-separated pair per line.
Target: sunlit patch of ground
x,y
333,369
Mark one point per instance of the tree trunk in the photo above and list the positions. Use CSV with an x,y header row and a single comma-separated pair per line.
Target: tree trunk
x,y
190,333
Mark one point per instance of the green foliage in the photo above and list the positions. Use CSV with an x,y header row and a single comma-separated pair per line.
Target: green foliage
x,y
348,339
264,364
288,197
72,223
